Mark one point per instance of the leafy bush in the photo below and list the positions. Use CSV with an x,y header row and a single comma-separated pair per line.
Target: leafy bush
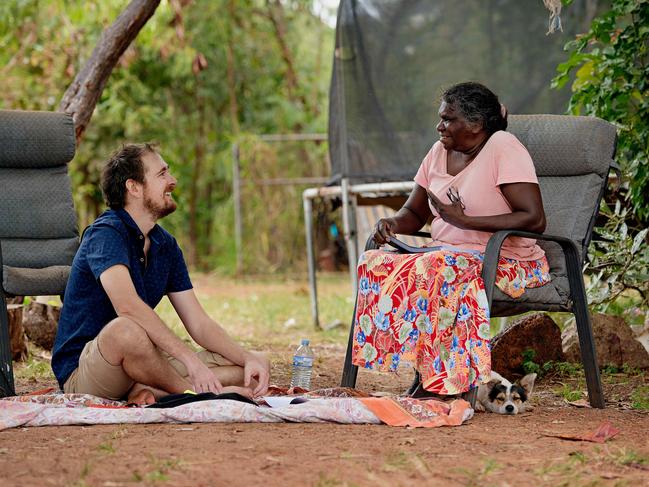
x,y
610,65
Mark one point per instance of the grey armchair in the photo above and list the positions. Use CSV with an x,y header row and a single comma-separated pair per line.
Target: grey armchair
x,y
572,156
38,227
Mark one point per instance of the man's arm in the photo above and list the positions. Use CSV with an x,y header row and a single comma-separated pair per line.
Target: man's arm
x,y
210,335
119,287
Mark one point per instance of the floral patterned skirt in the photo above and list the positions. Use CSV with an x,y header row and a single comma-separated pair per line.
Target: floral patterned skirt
x,y
429,310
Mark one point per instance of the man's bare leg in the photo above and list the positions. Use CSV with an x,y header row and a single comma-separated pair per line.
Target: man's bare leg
x,y
124,342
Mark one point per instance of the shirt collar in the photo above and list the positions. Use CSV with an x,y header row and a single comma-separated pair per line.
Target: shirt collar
x,y
154,235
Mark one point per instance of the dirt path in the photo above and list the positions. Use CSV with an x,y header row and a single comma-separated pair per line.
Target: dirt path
x,y
489,450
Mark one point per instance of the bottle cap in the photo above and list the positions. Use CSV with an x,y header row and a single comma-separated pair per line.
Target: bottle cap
x,y
305,341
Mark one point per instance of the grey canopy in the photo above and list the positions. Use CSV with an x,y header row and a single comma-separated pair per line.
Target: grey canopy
x,y
393,58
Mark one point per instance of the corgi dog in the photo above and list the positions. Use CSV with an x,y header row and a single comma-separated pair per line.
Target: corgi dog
x,y
502,397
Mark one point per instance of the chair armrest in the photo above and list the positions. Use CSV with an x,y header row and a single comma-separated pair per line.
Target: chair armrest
x,y
492,255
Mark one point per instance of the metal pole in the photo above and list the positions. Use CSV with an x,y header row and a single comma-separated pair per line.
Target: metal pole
x,y
236,195
349,233
311,264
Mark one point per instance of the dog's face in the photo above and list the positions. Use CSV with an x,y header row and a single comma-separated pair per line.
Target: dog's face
x,y
503,397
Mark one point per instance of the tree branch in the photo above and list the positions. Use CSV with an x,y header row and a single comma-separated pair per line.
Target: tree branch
x,y
82,95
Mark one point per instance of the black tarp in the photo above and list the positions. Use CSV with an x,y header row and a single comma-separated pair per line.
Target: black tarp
x,y
393,59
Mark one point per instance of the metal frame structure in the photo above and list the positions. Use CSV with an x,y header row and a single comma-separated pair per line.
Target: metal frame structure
x,y
349,193
236,181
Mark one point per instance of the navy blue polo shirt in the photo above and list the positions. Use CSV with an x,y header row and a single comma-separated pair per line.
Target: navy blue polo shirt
x,y
114,238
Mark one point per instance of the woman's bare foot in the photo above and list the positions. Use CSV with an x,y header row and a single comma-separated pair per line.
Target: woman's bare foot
x,y
141,397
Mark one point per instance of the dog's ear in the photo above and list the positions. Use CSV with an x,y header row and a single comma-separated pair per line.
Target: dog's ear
x,y
527,383
492,383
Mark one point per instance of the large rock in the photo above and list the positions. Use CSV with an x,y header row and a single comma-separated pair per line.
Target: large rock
x,y
537,332
614,341
40,321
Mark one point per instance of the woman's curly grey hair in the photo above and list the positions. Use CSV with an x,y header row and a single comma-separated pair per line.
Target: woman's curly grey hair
x,y
478,104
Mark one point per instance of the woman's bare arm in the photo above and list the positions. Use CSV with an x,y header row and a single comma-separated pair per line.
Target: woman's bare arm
x,y
411,217
527,211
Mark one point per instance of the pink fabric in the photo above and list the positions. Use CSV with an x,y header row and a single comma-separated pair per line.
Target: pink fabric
x,y
502,160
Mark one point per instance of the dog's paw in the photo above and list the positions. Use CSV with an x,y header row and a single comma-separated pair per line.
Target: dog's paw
x,y
479,407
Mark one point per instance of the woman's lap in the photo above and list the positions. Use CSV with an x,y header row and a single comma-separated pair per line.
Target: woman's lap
x,y
430,310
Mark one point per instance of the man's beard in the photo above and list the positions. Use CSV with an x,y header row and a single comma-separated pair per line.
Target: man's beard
x,y
158,211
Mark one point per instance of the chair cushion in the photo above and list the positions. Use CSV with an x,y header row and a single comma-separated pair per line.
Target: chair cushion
x,y
22,281
36,203
554,296
31,139
562,145
38,253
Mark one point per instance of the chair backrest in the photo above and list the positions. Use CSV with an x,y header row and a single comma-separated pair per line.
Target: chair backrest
x,y
572,156
38,227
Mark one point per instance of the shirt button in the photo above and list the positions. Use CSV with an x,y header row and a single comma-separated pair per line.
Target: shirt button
x,y
141,259
141,237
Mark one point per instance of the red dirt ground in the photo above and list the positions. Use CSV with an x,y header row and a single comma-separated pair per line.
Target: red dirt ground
x,y
489,450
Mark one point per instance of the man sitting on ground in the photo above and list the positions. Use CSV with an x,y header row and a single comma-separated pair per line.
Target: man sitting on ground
x,y
110,342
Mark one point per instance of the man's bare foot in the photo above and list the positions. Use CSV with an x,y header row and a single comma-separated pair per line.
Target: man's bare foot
x,y
244,391
141,397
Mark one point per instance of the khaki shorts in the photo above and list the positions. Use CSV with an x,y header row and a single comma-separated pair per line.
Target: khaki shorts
x,y
96,376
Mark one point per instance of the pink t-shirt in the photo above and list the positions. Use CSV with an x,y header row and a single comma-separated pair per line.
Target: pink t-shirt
x,y
502,160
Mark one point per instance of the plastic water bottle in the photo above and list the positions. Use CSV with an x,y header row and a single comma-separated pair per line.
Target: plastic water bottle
x,y
302,366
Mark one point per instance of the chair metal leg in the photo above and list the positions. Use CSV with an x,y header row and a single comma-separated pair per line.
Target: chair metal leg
x,y
415,384
471,396
584,328
350,371
6,368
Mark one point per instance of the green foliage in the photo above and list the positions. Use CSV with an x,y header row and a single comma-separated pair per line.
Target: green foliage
x,y
569,393
610,67
195,81
640,398
529,365
618,266
611,70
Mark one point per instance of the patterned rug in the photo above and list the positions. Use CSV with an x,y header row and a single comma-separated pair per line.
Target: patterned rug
x,y
337,405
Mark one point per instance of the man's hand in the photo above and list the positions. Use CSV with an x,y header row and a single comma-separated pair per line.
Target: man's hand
x,y
384,229
201,377
453,213
256,366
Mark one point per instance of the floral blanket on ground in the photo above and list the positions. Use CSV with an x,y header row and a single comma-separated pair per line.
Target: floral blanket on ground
x,y
329,406
429,310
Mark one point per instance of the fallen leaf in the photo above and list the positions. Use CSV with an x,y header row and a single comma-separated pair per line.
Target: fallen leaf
x,y
604,431
580,403
609,475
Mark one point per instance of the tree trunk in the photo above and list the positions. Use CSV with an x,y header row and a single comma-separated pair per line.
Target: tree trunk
x,y
41,322
82,95
17,337
276,16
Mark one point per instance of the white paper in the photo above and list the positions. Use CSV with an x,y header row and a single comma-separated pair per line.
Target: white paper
x,y
281,401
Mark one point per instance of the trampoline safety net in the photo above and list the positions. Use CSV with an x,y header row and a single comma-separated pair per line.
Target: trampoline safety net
x,y
393,59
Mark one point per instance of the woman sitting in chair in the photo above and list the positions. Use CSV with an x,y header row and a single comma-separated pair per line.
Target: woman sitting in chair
x,y
430,309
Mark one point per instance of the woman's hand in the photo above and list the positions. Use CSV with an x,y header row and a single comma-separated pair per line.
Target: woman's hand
x,y
384,229
453,213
